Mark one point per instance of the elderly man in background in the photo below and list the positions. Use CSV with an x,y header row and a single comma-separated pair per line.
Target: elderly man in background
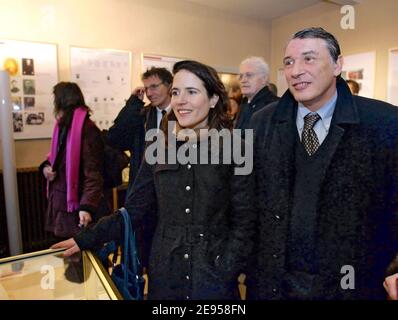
x,y
253,78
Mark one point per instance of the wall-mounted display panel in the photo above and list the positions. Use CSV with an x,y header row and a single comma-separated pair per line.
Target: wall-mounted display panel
x,y
392,95
104,75
33,71
361,68
153,60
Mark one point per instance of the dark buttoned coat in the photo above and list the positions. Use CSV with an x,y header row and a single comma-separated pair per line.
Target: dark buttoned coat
x,y
357,202
204,226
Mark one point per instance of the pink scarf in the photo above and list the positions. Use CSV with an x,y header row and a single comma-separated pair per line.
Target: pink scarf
x,y
73,148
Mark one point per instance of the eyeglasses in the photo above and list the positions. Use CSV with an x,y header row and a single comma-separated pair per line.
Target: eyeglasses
x,y
248,75
153,87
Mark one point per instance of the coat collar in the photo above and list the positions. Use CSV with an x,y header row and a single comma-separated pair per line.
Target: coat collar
x,y
260,96
346,111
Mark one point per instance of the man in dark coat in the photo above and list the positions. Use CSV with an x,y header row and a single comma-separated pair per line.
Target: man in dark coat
x,y
128,130
253,78
326,166
128,133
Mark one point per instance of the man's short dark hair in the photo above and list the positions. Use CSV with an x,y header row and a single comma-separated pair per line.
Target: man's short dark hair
x,y
320,33
162,73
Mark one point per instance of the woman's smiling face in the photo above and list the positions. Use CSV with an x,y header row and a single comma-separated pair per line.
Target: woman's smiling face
x,y
190,101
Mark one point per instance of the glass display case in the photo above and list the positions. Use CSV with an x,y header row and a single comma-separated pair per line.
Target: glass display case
x,y
48,275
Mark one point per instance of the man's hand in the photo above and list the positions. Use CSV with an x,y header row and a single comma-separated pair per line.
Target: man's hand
x,y
69,244
85,218
391,285
49,174
139,92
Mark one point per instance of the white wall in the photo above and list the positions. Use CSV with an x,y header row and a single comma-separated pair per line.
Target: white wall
x,y
376,26
167,27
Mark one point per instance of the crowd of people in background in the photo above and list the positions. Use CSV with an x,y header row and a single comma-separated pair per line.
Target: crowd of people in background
x,y
322,196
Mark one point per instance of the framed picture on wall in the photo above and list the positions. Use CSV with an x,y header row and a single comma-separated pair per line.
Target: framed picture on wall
x,y
230,80
104,75
392,93
154,60
361,68
33,71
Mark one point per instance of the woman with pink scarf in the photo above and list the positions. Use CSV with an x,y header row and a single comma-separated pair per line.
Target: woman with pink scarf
x,y
73,168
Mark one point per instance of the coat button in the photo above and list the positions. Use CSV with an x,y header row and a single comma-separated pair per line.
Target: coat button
x,y
187,188
277,217
194,146
187,277
187,210
189,166
188,298
186,256
274,291
274,256
201,235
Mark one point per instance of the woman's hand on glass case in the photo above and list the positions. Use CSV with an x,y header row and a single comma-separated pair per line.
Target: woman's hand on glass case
x,y
70,245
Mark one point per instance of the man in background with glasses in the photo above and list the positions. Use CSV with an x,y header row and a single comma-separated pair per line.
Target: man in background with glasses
x,y
128,130
128,133
253,79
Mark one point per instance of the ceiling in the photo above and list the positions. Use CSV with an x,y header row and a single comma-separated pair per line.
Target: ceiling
x,y
259,9
265,10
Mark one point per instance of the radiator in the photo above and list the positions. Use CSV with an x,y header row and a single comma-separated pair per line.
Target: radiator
x,y
32,206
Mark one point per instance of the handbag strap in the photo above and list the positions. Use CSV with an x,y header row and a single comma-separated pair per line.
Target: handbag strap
x,y
130,254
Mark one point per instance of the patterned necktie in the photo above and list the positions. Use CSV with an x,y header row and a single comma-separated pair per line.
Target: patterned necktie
x,y
309,137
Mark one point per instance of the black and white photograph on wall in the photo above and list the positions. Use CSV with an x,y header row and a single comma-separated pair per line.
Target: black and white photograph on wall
x,y
28,68
29,86
17,121
35,118
16,103
29,102
14,86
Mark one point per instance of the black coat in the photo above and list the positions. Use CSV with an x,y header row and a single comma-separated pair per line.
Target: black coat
x,y
203,235
247,110
357,204
128,131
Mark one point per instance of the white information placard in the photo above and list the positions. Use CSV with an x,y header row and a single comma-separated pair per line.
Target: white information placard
x,y
33,73
153,60
104,75
361,68
392,96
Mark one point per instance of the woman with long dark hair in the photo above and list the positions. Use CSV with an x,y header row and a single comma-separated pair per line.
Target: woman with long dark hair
x,y
74,165
205,215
